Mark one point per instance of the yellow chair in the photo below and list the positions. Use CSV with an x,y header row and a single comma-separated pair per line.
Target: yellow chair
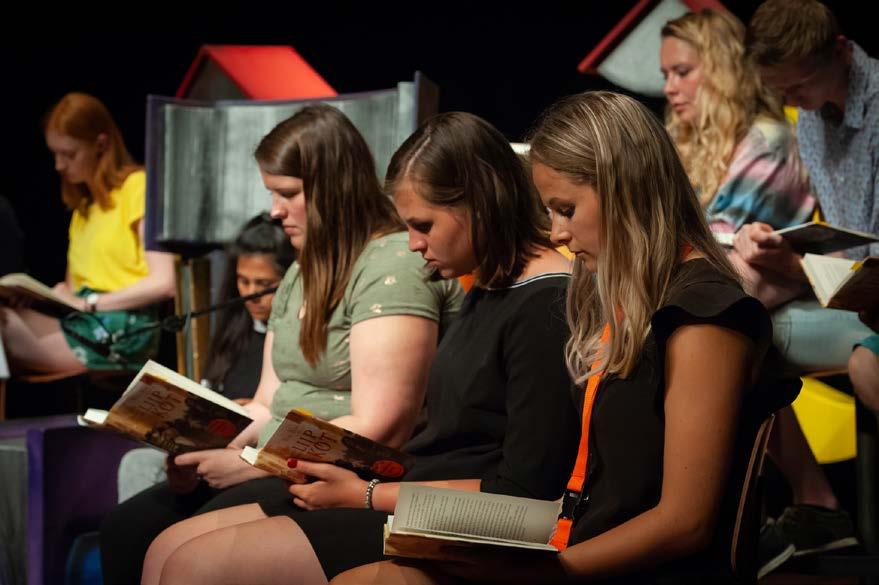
x,y
827,417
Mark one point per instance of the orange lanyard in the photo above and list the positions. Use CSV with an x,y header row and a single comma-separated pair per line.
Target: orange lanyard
x,y
578,475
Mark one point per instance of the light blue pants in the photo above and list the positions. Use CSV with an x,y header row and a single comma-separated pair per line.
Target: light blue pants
x,y
812,338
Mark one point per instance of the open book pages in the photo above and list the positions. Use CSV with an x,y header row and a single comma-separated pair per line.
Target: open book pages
x,y
438,523
302,436
844,284
171,412
820,238
41,297
725,239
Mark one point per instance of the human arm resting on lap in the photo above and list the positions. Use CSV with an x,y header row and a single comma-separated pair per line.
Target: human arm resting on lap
x,y
336,487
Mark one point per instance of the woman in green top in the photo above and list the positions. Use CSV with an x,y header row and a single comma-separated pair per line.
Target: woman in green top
x,y
352,333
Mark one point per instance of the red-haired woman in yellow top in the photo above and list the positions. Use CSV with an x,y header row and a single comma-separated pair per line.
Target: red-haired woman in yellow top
x,y
110,275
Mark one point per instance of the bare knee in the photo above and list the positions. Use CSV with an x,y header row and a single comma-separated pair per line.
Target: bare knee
x,y
160,550
372,573
863,369
393,573
188,564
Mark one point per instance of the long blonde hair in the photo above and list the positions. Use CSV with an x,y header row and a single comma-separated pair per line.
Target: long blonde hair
x,y
730,98
648,210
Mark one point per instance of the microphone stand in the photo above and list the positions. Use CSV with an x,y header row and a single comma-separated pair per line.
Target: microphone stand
x,y
171,323
175,323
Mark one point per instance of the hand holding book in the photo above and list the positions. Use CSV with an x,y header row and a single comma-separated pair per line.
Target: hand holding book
x,y
22,291
818,237
844,284
332,486
15,299
220,468
760,245
171,412
63,292
181,479
304,437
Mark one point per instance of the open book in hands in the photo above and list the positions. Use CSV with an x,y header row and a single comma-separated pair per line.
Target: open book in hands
x,y
844,284
817,237
171,412
40,297
445,524
305,437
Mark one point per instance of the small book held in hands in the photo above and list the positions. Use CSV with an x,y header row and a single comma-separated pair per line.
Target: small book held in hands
x,y
844,284
302,436
444,524
171,412
817,237
41,297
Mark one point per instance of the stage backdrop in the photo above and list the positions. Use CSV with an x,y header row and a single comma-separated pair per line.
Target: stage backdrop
x,y
202,180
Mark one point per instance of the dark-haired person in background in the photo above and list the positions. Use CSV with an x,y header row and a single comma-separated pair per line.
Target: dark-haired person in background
x,y
257,259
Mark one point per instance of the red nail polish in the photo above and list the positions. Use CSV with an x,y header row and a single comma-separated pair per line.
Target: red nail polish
x,y
291,463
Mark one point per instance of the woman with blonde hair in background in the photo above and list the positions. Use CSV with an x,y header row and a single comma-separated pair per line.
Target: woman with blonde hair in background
x,y
734,141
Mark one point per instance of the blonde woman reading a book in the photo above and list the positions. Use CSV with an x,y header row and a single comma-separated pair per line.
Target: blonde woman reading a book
x,y
113,280
664,340
501,415
353,329
730,130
